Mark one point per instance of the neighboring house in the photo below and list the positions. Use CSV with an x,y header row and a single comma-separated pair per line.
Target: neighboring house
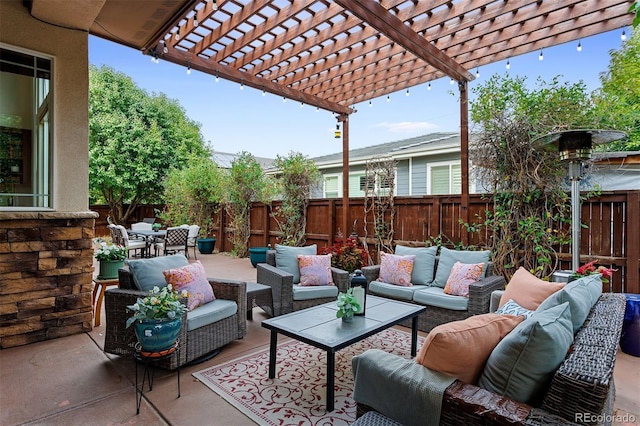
x,y
425,165
224,160
614,171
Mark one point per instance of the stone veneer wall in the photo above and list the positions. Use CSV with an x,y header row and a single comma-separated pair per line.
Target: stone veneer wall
x,y
46,270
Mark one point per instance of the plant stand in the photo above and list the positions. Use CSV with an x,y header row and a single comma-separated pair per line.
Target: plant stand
x,y
149,359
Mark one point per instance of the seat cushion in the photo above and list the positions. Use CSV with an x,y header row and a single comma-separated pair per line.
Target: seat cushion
x,y
147,273
461,348
581,295
210,313
527,290
423,265
449,257
396,269
287,258
394,291
193,279
435,296
315,269
523,363
314,292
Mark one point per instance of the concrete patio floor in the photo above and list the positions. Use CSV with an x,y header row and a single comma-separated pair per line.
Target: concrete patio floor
x,y
70,381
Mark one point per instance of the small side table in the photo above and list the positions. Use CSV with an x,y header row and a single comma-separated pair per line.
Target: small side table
x,y
103,284
258,295
149,359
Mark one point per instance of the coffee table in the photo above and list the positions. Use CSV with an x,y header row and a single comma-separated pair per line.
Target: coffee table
x,y
319,327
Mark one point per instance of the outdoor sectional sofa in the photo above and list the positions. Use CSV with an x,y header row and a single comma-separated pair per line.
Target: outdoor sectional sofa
x,y
428,283
581,390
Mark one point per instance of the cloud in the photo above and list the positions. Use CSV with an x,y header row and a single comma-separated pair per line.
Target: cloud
x,y
407,126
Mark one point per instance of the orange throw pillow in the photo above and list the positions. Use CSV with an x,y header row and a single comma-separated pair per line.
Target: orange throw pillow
x,y
461,348
527,290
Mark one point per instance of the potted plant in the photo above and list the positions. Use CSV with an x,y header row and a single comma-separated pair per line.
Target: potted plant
x,y
347,305
158,318
111,258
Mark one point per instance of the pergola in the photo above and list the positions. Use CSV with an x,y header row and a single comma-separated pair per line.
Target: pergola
x,y
333,54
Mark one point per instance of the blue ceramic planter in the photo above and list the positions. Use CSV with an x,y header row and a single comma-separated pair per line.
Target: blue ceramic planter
x,y
258,255
156,335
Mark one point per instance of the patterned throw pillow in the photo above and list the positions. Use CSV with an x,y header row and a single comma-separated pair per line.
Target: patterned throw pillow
x,y
512,308
192,278
315,269
395,269
463,274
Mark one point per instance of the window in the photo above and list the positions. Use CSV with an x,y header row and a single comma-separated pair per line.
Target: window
x,y
444,178
25,131
331,187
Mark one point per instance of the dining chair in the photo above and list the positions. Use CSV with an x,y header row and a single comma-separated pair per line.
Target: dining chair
x,y
149,220
116,236
132,244
141,226
192,239
174,242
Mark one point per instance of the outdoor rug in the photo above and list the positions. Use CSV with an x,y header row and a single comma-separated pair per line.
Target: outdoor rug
x,y
297,394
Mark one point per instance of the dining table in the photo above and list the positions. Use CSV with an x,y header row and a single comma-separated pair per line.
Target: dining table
x,y
150,237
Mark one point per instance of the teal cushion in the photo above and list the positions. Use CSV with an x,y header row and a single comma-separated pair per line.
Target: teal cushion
x,y
314,292
521,366
287,258
449,257
581,295
147,273
423,265
435,296
393,291
210,313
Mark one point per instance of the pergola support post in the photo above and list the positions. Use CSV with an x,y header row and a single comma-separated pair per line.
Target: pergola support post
x,y
344,118
464,157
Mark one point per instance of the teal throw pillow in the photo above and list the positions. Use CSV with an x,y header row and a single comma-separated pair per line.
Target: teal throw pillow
x,y
147,273
449,257
581,295
521,366
423,265
287,258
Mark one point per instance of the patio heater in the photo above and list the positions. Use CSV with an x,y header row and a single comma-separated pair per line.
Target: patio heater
x,y
574,147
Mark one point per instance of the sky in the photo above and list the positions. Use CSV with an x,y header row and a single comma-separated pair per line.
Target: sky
x,y
235,120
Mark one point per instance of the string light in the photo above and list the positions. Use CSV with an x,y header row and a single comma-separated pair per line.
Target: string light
x,y
177,34
388,98
242,85
188,69
508,64
451,81
301,104
284,99
477,73
623,36
407,92
541,56
264,92
217,78
579,48
215,5
429,86
165,49
195,18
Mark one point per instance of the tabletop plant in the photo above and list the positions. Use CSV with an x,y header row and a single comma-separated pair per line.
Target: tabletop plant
x,y
110,252
347,305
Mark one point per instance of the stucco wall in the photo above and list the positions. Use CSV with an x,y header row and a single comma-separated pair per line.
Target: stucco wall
x,y
70,98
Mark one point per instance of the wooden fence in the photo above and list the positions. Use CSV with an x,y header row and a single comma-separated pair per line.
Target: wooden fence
x,y
611,234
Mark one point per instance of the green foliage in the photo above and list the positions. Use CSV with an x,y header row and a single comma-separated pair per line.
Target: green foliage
x,y
531,209
160,303
245,184
193,194
635,8
347,304
618,100
135,139
347,255
298,175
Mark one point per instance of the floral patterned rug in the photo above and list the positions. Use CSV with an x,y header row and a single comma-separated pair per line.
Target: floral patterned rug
x,y
297,395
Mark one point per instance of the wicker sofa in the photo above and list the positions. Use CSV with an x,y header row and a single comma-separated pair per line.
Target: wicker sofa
x,y
478,301
581,391
281,283
196,343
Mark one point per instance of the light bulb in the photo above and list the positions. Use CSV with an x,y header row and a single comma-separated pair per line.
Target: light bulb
x,y
264,93
370,104
623,36
301,104
579,48
407,92
215,5
451,81
540,56
195,21
388,98
217,78
165,49
508,64
177,34
188,70
241,85
429,86
284,99
477,73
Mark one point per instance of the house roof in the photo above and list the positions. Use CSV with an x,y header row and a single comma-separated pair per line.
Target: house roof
x,y
395,149
224,160
334,54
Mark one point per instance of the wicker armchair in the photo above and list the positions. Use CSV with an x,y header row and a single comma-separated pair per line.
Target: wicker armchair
x,y
479,299
194,344
281,284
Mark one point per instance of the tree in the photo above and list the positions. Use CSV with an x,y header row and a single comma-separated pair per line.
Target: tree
x,y
134,140
298,175
245,184
531,209
618,100
193,194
